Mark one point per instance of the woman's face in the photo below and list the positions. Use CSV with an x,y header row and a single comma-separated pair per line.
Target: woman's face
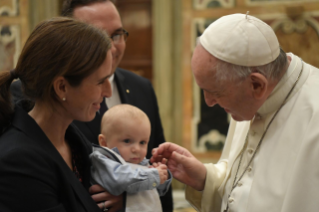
x,y
83,101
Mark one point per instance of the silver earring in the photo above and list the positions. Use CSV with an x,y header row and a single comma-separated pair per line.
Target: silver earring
x,y
63,99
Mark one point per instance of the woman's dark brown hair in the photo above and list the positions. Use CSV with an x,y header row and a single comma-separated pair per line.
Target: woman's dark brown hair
x,y
56,47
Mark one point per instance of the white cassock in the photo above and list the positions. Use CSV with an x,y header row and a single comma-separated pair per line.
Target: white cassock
x,y
284,174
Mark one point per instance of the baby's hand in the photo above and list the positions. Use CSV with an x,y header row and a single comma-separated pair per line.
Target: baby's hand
x,y
154,165
162,171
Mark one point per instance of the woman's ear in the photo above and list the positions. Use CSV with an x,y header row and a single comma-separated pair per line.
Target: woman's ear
x,y
60,87
102,140
259,85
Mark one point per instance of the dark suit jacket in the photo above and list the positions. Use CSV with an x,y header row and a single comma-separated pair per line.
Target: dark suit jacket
x,y
34,176
134,90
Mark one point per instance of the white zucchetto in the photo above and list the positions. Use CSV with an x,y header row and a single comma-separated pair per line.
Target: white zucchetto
x,y
242,40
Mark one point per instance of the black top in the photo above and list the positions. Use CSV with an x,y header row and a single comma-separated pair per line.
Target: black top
x,y
34,176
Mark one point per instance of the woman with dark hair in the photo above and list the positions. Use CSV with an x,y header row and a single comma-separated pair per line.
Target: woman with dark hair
x,y
44,165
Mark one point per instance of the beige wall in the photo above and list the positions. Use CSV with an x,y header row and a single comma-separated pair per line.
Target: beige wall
x,y
14,27
17,19
41,10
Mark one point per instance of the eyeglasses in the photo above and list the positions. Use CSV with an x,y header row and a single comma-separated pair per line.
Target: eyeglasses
x,y
119,36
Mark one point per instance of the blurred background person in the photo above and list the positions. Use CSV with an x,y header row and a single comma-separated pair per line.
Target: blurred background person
x,y
127,87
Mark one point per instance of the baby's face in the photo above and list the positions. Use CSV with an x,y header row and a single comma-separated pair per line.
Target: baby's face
x,y
131,138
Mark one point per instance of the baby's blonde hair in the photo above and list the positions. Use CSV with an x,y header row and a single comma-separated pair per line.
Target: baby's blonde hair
x,y
118,113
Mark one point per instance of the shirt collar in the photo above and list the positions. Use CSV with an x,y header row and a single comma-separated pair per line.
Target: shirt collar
x,y
111,78
115,149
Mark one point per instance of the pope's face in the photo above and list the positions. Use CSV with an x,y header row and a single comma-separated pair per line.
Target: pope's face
x,y
235,98
104,15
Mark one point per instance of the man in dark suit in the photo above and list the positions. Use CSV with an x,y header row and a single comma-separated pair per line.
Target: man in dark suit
x,y
127,87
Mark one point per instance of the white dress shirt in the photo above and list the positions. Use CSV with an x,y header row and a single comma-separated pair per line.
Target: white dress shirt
x,y
115,98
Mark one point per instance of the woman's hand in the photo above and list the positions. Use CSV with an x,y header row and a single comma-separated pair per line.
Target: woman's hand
x,y
100,196
183,165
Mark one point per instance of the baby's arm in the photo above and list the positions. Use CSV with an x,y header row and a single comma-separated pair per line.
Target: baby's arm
x,y
117,178
167,175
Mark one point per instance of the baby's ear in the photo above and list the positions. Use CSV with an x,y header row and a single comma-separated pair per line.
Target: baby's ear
x,y
102,140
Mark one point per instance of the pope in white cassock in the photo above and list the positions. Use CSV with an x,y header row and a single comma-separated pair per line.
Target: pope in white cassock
x,y
270,159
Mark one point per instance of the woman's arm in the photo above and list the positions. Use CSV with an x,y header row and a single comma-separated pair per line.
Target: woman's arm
x,y
28,181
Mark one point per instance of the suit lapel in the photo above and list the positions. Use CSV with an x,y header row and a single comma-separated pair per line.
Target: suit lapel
x,y
32,130
123,88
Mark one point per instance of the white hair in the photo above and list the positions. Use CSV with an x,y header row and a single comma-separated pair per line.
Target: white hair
x,y
272,71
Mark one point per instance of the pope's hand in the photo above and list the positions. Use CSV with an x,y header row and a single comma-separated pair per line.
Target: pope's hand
x,y
183,165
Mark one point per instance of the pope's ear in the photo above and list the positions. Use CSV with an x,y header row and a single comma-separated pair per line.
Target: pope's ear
x,y
60,87
258,85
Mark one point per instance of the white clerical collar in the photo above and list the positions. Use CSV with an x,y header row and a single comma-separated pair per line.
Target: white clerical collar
x,y
284,86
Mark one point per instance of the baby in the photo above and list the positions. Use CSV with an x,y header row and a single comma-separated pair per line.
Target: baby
x,y
119,164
